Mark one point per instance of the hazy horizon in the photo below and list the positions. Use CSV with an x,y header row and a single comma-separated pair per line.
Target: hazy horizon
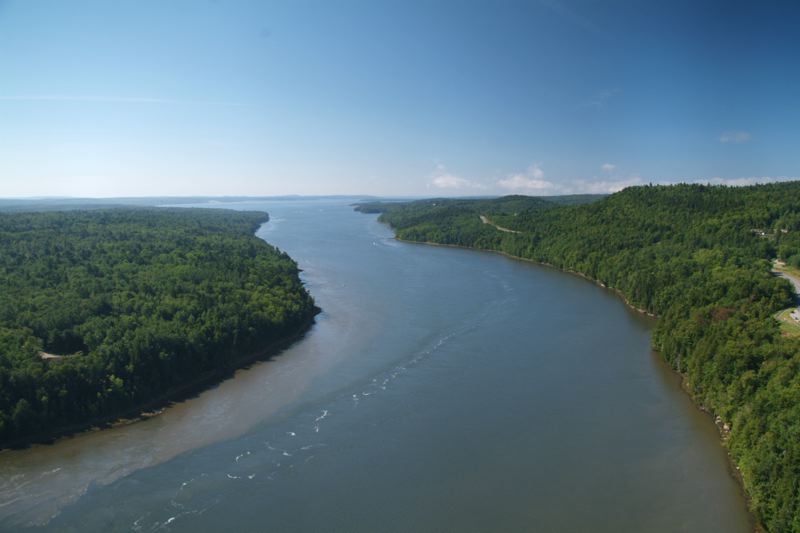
x,y
419,99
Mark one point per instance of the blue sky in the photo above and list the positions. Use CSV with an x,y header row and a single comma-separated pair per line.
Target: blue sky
x,y
393,98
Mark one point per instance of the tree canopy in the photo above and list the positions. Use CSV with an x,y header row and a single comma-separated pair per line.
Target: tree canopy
x,y
102,311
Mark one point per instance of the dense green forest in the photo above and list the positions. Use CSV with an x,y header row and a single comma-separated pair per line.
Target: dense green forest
x,y
131,304
697,256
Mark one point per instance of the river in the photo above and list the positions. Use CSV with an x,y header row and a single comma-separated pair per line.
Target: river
x,y
439,390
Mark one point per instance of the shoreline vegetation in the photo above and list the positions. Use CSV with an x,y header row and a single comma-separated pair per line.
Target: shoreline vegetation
x,y
698,258
616,292
107,315
180,393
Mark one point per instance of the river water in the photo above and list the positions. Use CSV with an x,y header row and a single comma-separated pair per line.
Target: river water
x,y
440,390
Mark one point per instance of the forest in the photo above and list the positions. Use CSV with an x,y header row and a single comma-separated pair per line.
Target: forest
x,y
104,311
700,258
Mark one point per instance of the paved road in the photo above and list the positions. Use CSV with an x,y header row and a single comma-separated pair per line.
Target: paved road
x,y
486,220
795,281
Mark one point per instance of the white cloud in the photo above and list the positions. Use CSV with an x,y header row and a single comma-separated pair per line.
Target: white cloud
x,y
531,181
449,181
442,179
519,182
602,186
735,137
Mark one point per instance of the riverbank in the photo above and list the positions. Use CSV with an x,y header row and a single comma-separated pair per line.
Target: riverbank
x,y
723,427
539,263
156,406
